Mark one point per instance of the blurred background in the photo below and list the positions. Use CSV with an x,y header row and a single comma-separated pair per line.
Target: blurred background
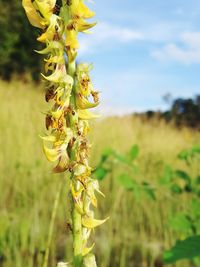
x,y
146,146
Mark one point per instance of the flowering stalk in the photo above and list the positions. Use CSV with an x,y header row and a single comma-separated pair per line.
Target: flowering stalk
x,y
69,87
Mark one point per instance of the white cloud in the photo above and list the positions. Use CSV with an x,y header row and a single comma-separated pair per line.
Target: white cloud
x,y
105,35
108,35
192,39
187,51
163,31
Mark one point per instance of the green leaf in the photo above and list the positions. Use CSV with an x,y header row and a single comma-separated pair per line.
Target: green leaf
x,y
120,158
194,208
149,191
197,180
100,173
167,176
176,189
106,153
134,152
129,184
185,249
184,154
196,149
188,188
180,223
183,175
126,182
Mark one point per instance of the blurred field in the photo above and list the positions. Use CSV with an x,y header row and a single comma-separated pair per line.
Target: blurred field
x,y
136,233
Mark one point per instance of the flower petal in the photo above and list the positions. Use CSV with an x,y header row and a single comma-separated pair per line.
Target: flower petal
x,y
63,164
46,7
78,8
50,33
86,115
71,39
83,26
52,45
92,223
34,18
83,103
87,250
51,153
49,138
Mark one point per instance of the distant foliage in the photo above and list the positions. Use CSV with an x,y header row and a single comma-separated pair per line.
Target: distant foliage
x,y
126,179
184,112
175,184
184,249
17,42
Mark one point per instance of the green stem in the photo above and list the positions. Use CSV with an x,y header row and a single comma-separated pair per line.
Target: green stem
x,y
52,222
72,68
76,216
77,238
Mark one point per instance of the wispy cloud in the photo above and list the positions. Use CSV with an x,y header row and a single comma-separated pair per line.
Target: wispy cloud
x,y
129,49
187,51
108,35
163,31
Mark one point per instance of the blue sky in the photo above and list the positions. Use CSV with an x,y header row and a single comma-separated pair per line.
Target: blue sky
x,y
142,50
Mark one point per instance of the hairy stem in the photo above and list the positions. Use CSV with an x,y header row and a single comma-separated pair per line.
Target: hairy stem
x,y
76,216
77,238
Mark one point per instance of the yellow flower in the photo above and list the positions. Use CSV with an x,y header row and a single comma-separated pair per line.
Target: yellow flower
x,y
60,76
45,7
33,16
83,26
52,46
92,223
87,250
63,164
54,59
78,9
52,31
83,103
71,39
84,114
70,89
59,149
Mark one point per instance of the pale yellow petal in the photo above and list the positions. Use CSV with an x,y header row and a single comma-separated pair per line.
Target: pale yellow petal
x,y
49,138
78,8
33,16
92,223
51,153
51,46
83,103
72,39
86,115
87,250
83,26
46,7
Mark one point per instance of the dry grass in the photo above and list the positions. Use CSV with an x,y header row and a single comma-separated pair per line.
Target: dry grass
x,y
137,231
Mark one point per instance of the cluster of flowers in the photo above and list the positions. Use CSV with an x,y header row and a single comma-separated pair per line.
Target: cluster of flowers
x,y
70,89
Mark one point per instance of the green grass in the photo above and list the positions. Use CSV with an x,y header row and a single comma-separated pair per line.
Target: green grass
x,y
136,233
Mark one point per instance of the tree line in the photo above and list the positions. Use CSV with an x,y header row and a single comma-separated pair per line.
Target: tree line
x,y
17,42
182,112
